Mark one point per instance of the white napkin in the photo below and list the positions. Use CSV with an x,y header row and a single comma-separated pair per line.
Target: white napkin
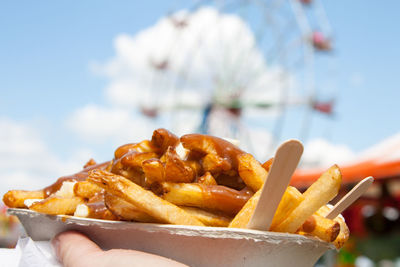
x,y
36,253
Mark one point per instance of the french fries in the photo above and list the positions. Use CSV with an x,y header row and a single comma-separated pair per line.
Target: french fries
x,y
145,200
242,218
207,179
86,189
57,205
211,197
175,168
16,198
126,210
208,218
317,195
251,171
290,200
344,232
321,227
194,180
129,212
154,171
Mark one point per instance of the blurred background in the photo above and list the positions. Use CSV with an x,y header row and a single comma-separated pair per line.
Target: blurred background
x,y
78,79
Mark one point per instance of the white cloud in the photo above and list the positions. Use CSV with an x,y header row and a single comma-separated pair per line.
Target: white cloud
x,y
26,162
322,153
98,124
215,55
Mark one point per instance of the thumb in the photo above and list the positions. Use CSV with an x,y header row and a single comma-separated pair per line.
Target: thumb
x,y
70,246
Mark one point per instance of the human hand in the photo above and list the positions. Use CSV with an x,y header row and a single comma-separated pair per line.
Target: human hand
x,y
74,249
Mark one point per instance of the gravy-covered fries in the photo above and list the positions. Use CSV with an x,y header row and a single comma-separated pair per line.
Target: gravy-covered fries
x,y
196,179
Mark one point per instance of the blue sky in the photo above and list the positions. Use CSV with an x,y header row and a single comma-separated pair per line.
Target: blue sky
x,y
47,49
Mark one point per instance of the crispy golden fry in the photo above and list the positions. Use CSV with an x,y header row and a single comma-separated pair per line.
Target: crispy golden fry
x,y
153,171
267,165
317,195
126,210
242,218
86,189
344,233
195,165
135,159
144,146
208,218
251,171
217,154
321,227
207,179
215,164
176,170
290,200
209,197
135,175
162,139
145,200
57,205
16,198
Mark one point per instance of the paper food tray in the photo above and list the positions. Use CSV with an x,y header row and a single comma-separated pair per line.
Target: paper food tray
x,y
192,245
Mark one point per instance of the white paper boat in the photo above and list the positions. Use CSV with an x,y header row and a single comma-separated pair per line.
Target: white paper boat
x,y
195,246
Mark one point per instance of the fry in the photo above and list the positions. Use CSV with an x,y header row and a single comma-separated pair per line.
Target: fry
x,y
210,197
144,146
215,164
317,195
242,218
251,171
321,227
207,179
267,165
344,233
153,170
176,170
208,218
162,139
290,200
145,200
16,198
135,159
218,155
86,189
126,210
57,205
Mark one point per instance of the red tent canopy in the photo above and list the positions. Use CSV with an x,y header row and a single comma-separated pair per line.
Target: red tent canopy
x,y
381,161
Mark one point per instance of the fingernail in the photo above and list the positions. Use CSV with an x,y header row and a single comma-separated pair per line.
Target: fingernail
x,y
55,242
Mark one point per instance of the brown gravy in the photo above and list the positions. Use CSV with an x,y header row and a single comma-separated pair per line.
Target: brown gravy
x,y
80,176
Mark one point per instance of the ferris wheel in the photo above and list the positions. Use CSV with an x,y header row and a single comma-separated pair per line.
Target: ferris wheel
x,y
226,66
